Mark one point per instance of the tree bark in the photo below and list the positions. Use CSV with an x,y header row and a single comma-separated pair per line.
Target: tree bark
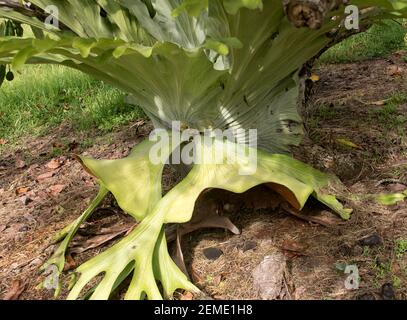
x,y
310,13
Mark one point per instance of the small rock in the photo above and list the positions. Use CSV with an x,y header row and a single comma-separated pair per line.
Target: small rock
x,y
372,240
268,276
249,245
55,189
25,200
387,292
212,253
366,296
45,175
23,229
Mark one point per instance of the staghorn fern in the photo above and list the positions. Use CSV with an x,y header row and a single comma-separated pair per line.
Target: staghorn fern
x,y
210,64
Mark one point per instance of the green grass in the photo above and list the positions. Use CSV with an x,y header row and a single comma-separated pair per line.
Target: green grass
x,y
378,41
326,112
389,116
382,269
42,97
400,247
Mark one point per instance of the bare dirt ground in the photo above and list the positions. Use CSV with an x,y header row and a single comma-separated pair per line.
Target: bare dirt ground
x,y
42,189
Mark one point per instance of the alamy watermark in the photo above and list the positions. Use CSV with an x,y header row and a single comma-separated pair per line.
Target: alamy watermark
x,y
52,279
52,20
208,147
351,20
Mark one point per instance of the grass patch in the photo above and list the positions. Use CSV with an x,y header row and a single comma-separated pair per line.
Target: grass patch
x,y
389,116
382,269
400,247
325,112
42,97
380,40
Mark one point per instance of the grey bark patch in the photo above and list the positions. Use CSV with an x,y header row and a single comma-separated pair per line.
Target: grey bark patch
x,y
268,276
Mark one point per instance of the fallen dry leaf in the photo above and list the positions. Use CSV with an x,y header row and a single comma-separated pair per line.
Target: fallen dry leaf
x,y
378,102
40,195
138,124
196,276
70,263
187,296
394,70
217,280
106,234
54,164
56,189
314,77
293,246
347,143
16,289
22,190
45,175
374,103
3,142
397,187
324,217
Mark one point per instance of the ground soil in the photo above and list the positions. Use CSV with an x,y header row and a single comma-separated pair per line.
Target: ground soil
x,y
34,206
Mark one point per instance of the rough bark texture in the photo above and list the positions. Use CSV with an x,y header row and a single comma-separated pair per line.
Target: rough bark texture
x,y
310,13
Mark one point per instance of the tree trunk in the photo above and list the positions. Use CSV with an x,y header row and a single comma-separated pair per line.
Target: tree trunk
x,y
310,13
